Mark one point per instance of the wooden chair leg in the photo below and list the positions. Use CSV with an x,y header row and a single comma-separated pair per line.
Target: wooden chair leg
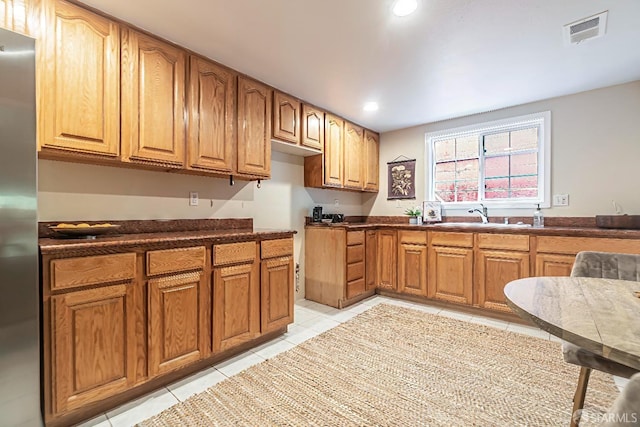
x,y
578,398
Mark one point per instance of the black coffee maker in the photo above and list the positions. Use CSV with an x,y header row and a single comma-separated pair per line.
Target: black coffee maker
x,y
317,214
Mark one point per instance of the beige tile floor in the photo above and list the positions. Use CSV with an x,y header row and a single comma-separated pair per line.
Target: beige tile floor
x,y
311,319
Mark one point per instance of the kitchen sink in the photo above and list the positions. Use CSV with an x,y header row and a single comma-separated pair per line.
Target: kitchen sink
x,y
479,224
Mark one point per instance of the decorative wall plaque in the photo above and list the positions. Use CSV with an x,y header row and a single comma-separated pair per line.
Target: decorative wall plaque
x,y
401,179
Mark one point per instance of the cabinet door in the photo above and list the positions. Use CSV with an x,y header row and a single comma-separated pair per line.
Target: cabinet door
x,y
153,101
312,127
412,269
93,345
276,293
371,250
286,118
450,274
212,103
371,174
236,305
333,155
554,265
254,128
79,88
15,16
175,326
387,259
353,156
494,270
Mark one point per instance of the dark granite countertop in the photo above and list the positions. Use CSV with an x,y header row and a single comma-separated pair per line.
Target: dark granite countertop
x,y
173,238
496,229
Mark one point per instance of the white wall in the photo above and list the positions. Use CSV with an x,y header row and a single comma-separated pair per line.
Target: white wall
x,y
73,192
595,156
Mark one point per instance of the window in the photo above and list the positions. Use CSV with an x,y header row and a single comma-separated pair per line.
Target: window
x,y
503,163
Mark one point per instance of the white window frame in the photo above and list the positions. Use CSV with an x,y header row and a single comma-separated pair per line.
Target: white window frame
x,y
543,119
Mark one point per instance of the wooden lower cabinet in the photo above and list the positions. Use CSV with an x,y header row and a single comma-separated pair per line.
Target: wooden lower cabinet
x,y
236,305
93,338
412,262
337,275
386,263
176,324
276,293
494,269
276,284
355,264
554,265
451,274
371,254
276,279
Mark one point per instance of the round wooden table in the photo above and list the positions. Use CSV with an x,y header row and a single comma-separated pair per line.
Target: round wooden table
x,y
599,315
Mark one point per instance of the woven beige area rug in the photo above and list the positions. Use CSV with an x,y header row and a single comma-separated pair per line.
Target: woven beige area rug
x,y
394,366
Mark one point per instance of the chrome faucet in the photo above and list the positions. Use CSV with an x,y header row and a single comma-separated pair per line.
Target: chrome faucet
x,y
483,213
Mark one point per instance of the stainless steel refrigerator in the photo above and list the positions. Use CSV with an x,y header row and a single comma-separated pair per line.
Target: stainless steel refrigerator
x,y
19,289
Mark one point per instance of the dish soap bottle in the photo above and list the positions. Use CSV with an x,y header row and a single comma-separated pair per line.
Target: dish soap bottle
x,y
538,219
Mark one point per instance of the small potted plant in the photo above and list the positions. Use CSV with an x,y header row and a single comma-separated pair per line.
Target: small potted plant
x,y
415,215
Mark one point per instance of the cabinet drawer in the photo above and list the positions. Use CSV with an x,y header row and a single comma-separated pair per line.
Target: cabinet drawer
x,y
573,245
416,237
170,260
232,253
512,242
276,248
463,240
90,270
355,254
355,237
355,288
355,271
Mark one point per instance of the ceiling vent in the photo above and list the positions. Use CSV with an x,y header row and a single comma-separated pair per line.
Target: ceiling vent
x,y
585,29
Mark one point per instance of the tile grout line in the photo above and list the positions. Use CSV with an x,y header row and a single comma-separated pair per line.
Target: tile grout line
x,y
177,398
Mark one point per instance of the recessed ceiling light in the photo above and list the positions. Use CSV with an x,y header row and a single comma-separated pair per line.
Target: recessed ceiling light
x,y
405,7
370,106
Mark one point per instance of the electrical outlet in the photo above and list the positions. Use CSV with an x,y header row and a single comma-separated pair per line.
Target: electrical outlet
x,y
193,198
560,200
398,204
336,203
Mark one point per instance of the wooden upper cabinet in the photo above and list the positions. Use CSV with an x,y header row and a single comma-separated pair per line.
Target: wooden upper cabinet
x,y
312,127
15,15
79,88
371,174
212,101
153,100
333,150
286,118
353,149
254,128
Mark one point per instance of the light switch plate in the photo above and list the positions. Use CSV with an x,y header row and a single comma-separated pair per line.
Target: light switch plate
x,y
193,198
560,200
